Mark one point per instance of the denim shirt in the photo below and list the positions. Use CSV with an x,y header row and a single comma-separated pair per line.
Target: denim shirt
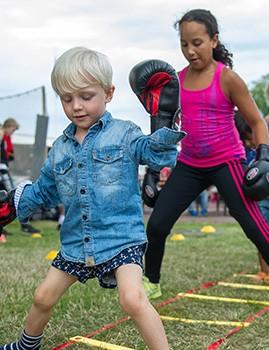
x,y
97,182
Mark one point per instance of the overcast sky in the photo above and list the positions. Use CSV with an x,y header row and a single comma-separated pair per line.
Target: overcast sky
x,y
33,33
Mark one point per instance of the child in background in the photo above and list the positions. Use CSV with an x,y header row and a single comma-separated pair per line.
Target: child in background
x,y
202,202
247,138
6,155
10,125
92,169
3,238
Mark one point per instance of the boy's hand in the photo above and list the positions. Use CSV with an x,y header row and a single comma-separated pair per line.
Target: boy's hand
x,y
7,208
256,179
156,84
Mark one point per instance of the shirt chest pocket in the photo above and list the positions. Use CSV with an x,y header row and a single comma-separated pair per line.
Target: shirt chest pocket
x,y
65,177
107,165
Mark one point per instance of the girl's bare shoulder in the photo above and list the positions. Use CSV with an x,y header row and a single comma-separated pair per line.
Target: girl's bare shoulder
x,y
231,77
232,82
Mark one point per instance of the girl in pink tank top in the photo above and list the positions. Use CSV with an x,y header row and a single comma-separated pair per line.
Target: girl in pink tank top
x,y
208,118
212,153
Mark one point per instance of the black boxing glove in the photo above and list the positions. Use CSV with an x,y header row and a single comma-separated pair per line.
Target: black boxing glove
x,y
150,189
7,207
256,179
156,85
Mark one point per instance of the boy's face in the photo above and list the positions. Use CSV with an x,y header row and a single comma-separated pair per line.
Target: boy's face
x,y
85,107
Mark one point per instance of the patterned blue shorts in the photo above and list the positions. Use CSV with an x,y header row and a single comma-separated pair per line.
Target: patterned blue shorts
x,y
105,272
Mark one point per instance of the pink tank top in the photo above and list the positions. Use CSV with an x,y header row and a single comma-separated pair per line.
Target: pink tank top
x,y
208,118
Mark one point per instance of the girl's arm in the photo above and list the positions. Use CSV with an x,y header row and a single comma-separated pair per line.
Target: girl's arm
x,y
237,91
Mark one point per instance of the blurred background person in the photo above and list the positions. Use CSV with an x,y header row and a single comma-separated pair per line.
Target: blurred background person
x,y
10,125
201,202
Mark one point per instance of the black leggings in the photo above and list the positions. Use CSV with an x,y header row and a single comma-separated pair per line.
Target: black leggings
x,y
182,187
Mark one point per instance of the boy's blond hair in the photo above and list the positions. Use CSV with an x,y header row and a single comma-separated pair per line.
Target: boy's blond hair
x,y
79,67
11,123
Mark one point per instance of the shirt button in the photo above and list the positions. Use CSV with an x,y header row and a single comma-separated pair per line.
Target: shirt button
x,y
84,217
86,239
80,165
82,191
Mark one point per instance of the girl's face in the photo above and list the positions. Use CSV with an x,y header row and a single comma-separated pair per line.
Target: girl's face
x,y
196,44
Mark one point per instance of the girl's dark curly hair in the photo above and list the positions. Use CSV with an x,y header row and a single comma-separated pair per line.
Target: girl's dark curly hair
x,y
220,53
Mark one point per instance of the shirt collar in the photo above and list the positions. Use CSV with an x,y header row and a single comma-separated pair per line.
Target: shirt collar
x,y
70,130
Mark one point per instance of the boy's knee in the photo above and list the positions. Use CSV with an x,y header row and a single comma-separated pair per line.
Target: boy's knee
x,y
43,298
133,302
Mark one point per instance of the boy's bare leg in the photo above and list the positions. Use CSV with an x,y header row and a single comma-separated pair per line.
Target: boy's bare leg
x,y
46,297
134,301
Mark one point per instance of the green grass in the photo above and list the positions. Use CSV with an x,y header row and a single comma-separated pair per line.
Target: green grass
x,y
187,264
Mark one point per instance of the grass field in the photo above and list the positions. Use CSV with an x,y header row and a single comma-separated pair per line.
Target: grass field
x,y
188,264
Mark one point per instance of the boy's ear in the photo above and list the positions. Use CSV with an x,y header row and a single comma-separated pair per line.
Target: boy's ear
x,y
109,93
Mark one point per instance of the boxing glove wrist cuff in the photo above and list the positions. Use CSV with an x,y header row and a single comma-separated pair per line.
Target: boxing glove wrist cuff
x,y
262,152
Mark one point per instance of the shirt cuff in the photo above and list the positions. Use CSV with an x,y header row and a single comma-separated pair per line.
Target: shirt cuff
x,y
167,136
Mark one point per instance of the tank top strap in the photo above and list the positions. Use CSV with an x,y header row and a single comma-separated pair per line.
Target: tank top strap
x,y
218,71
182,73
